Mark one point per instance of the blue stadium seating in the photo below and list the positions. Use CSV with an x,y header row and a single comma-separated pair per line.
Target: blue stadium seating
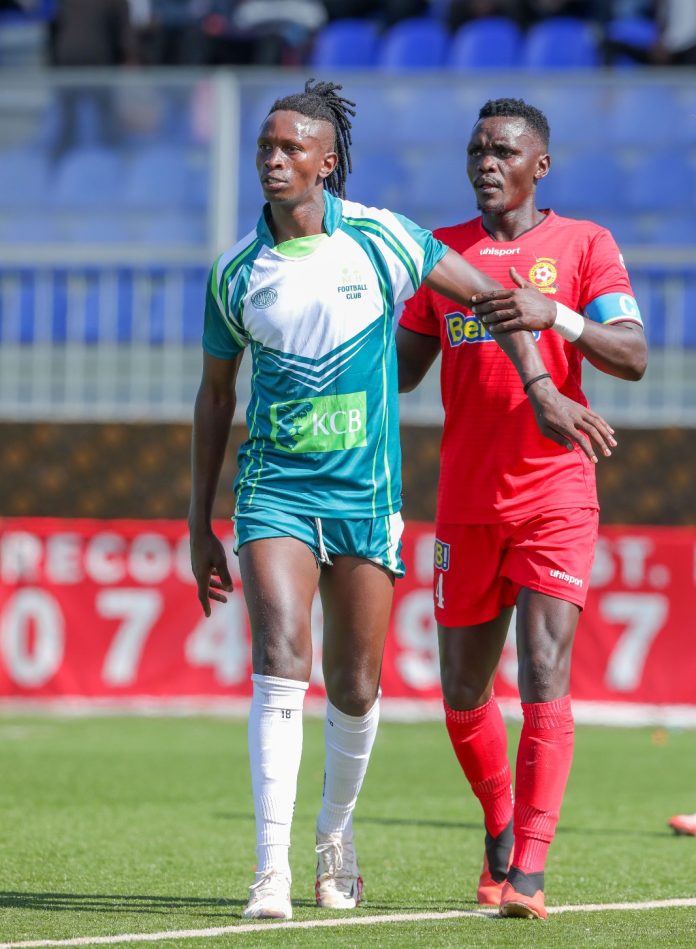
x,y
645,115
661,181
592,179
634,31
560,43
89,177
487,43
675,229
23,178
157,178
414,43
346,43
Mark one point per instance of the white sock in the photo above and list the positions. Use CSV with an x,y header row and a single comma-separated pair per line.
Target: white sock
x,y
348,741
275,749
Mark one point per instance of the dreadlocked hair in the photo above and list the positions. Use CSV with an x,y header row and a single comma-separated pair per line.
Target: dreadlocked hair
x,y
319,101
518,108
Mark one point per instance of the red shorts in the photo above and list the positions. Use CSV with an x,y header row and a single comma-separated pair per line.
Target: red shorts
x,y
480,568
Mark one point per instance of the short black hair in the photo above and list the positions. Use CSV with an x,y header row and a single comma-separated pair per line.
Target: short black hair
x,y
319,101
518,109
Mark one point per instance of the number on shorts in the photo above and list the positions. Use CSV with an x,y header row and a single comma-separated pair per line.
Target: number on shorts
x,y
439,595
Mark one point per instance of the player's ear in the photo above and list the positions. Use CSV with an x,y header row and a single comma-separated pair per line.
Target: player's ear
x,y
543,167
328,164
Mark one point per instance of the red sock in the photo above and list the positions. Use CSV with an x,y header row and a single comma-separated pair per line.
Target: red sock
x,y
544,757
479,740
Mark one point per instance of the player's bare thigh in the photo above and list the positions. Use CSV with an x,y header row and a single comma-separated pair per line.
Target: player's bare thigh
x,y
545,631
356,598
279,577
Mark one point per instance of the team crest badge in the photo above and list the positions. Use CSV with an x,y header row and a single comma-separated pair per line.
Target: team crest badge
x,y
543,274
265,297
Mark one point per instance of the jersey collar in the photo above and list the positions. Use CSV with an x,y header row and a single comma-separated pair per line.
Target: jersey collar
x,y
333,214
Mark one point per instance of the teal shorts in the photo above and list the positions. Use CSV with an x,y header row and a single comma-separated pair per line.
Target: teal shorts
x,y
377,539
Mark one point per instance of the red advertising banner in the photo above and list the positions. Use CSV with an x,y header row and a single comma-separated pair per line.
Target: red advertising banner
x,y
107,610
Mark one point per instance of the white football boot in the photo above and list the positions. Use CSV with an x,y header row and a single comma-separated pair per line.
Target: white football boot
x,y
339,884
269,897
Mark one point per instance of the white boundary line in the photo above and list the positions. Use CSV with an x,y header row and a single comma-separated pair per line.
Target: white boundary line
x,y
240,929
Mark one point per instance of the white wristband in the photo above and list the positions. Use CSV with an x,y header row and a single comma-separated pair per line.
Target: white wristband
x,y
568,323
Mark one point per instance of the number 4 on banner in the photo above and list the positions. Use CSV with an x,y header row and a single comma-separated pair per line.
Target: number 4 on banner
x,y
220,641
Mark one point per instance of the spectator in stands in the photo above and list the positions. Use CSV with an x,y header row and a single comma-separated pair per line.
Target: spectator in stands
x,y
90,33
93,33
677,43
462,11
534,10
517,516
175,32
387,12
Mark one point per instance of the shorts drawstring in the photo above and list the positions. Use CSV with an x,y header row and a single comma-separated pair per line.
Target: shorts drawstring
x,y
323,555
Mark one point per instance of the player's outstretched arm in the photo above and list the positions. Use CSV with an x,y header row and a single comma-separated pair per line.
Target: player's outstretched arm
x,y
561,419
619,348
212,417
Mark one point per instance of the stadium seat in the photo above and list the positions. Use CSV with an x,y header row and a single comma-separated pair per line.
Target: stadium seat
x,y
561,43
626,229
89,177
662,182
636,32
157,178
426,112
377,180
174,228
414,43
24,177
346,43
487,43
590,179
645,115
674,229
576,112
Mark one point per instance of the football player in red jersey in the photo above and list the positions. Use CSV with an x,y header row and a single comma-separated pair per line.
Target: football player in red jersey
x,y
517,513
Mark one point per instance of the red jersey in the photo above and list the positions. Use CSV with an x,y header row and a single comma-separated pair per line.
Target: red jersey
x,y
495,464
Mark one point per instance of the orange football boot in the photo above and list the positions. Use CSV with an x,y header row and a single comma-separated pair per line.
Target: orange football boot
x,y
523,895
497,853
684,824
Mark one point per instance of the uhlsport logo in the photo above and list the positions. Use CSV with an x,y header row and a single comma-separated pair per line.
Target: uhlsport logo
x,y
467,329
566,577
442,555
543,274
263,298
325,423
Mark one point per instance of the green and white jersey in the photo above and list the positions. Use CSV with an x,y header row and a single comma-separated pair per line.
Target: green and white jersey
x,y
323,416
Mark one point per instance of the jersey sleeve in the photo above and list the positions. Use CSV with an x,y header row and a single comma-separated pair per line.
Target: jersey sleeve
x,y
223,335
420,315
607,293
410,251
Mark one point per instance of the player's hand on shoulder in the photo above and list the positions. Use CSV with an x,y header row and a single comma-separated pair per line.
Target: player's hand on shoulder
x,y
568,423
209,565
522,307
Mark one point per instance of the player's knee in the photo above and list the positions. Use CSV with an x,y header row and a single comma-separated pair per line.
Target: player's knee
x,y
284,656
351,694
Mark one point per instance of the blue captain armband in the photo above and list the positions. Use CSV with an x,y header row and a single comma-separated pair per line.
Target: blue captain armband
x,y
612,307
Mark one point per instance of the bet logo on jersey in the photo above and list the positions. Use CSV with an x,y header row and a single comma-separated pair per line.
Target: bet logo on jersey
x,y
544,274
467,329
442,555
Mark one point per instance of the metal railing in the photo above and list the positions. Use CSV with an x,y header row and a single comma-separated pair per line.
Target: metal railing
x,y
123,342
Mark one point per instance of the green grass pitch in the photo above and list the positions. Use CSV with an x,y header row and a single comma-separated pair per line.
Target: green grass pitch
x,y
118,825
